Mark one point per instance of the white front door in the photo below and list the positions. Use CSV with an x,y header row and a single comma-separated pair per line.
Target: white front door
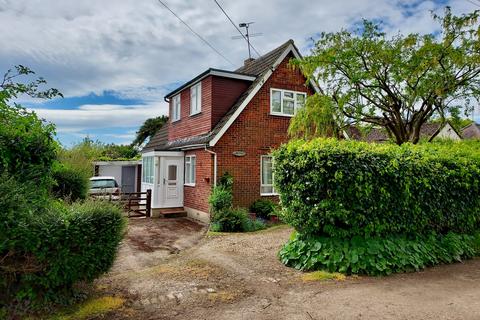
x,y
173,183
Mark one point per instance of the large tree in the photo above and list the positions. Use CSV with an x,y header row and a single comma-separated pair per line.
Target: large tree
x,y
397,82
148,129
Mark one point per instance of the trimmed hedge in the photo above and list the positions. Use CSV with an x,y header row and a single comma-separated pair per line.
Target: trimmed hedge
x,y
379,255
349,188
48,248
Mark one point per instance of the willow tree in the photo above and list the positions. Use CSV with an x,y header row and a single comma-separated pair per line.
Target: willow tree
x,y
397,82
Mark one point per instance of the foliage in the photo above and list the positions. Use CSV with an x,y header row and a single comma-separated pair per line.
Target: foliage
x,y
315,119
27,147
348,188
70,183
398,83
148,129
225,218
220,199
263,208
226,181
118,151
378,255
45,251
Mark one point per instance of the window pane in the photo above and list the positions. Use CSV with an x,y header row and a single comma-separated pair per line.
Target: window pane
x,y
267,170
266,189
187,171
193,169
300,100
172,172
288,107
276,101
288,95
199,98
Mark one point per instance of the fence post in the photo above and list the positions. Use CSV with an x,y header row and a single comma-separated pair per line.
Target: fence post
x,y
149,202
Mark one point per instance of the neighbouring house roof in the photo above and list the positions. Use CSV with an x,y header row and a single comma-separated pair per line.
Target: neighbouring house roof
x,y
259,70
428,130
472,131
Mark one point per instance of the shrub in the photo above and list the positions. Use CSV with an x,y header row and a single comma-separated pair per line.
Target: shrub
x,y
70,183
47,250
376,256
220,199
348,188
263,208
27,146
231,219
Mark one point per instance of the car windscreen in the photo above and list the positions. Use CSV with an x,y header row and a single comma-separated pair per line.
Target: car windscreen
x,y
104,183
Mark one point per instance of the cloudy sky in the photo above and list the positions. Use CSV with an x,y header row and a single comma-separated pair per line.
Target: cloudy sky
x,y
114,60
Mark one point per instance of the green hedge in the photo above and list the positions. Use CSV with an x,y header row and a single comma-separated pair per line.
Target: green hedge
x,y
70,183
379,255
48,247
347,188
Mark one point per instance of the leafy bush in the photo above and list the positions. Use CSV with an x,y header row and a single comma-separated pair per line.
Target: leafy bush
x,y
27,146
220,199
70,183
263,208
376,256
348,188
225,218
226,181
46,249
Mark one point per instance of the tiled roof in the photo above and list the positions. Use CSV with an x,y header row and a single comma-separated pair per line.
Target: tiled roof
x,y
159,140
427,130
472,131
258,68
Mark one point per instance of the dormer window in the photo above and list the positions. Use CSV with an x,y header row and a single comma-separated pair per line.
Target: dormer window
x,y
176,108
196,99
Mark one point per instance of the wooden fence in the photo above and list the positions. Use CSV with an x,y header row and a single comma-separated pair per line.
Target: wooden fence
x,y
136,204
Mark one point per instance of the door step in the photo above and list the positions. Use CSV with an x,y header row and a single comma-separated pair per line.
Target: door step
x,y
173,212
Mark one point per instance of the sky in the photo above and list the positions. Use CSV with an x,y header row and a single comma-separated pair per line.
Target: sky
x,y
114,60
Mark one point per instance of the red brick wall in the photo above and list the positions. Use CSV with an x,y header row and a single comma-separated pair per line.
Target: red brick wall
x,y
225,93
218,95
192,125
256,132
197,197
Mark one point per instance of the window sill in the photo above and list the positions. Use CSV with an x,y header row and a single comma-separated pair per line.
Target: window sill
x,y
189,184
173,121
195,114
282,114
268,194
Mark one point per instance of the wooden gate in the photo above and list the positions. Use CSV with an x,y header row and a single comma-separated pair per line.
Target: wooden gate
x,y
136,204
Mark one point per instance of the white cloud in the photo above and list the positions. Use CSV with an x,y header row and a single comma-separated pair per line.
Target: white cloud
x,y
92,117
135,47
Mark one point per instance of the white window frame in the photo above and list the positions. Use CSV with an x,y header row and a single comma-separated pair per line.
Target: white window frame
x,y
188,172
196,106
273,193
148,169
282,94
176,108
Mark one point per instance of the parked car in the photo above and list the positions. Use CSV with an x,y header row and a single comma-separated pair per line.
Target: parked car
x,y
104,187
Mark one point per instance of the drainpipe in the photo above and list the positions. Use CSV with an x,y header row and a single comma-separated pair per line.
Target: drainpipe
x,y
214,165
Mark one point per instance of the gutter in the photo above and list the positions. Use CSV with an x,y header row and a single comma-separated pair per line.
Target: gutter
x,y
214,165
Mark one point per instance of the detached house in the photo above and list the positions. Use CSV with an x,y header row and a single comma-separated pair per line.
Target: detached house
x,y
224,121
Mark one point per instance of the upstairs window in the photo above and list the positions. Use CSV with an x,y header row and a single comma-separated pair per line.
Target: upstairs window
x,y
190,168
266,176
196,99
286,103
176,108
147,170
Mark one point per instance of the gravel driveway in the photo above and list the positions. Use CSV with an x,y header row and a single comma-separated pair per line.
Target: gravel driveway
x,y
238,276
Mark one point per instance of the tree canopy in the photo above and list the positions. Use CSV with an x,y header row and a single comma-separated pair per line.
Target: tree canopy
x,y
148,129
397,82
